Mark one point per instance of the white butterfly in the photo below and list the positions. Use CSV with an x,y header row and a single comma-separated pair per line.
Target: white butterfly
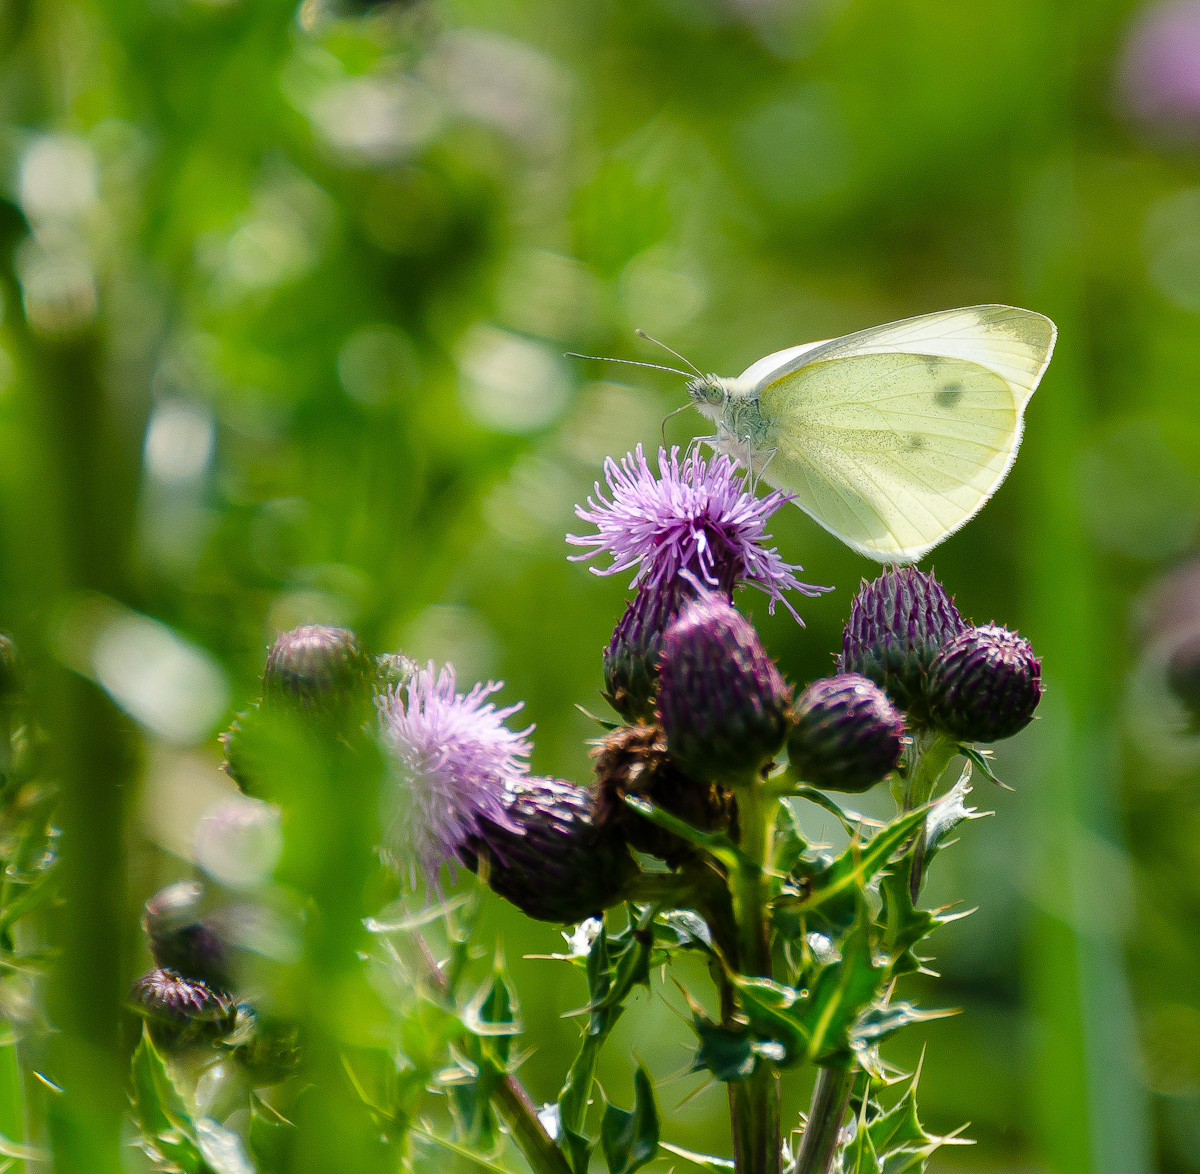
x,y
892,438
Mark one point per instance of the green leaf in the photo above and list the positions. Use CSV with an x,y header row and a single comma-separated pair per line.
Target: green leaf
x,y
718,846
484,1163
12,1099
727,1053
877,1023
860,1156
789,841
630,1139
827,891
683,929
271,1134
948,812
777,1013
407,921
852,821
900,1138
839,994
221,1149
904,925
160,1107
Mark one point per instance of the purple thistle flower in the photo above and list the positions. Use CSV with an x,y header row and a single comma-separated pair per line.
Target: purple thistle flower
x,y
695,516
454,758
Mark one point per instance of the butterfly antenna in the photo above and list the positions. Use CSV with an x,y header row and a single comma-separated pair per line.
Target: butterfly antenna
x,y
687,362
667,417
629,363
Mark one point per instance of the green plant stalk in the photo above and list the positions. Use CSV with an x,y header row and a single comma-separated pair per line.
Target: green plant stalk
x,y
932,754
754,1103
515,1104
831,1095
543,1156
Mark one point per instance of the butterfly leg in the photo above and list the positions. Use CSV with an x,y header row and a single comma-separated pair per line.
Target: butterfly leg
x,y
756,475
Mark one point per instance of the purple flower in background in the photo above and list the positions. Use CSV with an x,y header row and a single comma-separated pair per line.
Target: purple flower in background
x,y
695,516
1159,71
453,758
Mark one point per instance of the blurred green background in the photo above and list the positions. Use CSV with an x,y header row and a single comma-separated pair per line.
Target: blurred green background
x,y
286,293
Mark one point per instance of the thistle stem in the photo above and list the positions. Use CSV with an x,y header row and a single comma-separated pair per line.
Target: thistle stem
x,y
754,1103
831,1095
516,1105
933,753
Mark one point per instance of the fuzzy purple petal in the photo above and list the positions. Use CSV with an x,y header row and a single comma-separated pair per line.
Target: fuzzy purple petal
x,y
453,758
696,516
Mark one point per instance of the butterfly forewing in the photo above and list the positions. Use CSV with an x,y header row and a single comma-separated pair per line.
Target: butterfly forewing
x,y
1013,343
891,452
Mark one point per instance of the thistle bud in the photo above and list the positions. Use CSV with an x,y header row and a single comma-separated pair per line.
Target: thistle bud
x,y
180,941
897,625
180,1011
1183,677
721,700
318,670
633,760
555,862
631,660
848,736
985,685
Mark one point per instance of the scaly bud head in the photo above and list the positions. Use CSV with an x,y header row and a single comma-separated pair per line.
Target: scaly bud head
x,y
318,670
721,700
181,1012
848,736
985,685
554,861
631,660
180,940
897,625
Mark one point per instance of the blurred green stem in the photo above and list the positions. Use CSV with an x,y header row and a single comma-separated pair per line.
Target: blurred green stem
x,y
831,1095
754,1103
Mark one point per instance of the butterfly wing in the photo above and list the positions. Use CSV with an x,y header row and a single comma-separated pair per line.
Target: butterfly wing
x,y
893,438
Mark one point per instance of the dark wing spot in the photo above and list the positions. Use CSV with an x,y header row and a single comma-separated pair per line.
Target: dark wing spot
x,y
948,396
912,441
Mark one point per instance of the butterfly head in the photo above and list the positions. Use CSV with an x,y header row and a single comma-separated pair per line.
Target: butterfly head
x,y
708,393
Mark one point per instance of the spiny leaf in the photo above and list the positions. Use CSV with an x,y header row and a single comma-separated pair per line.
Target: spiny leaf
x,y
877,1023
160,1107
630,1139
720,847
840,992
704,1161
851,821
904,925
826,891
727,1053
948,812
860,1156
